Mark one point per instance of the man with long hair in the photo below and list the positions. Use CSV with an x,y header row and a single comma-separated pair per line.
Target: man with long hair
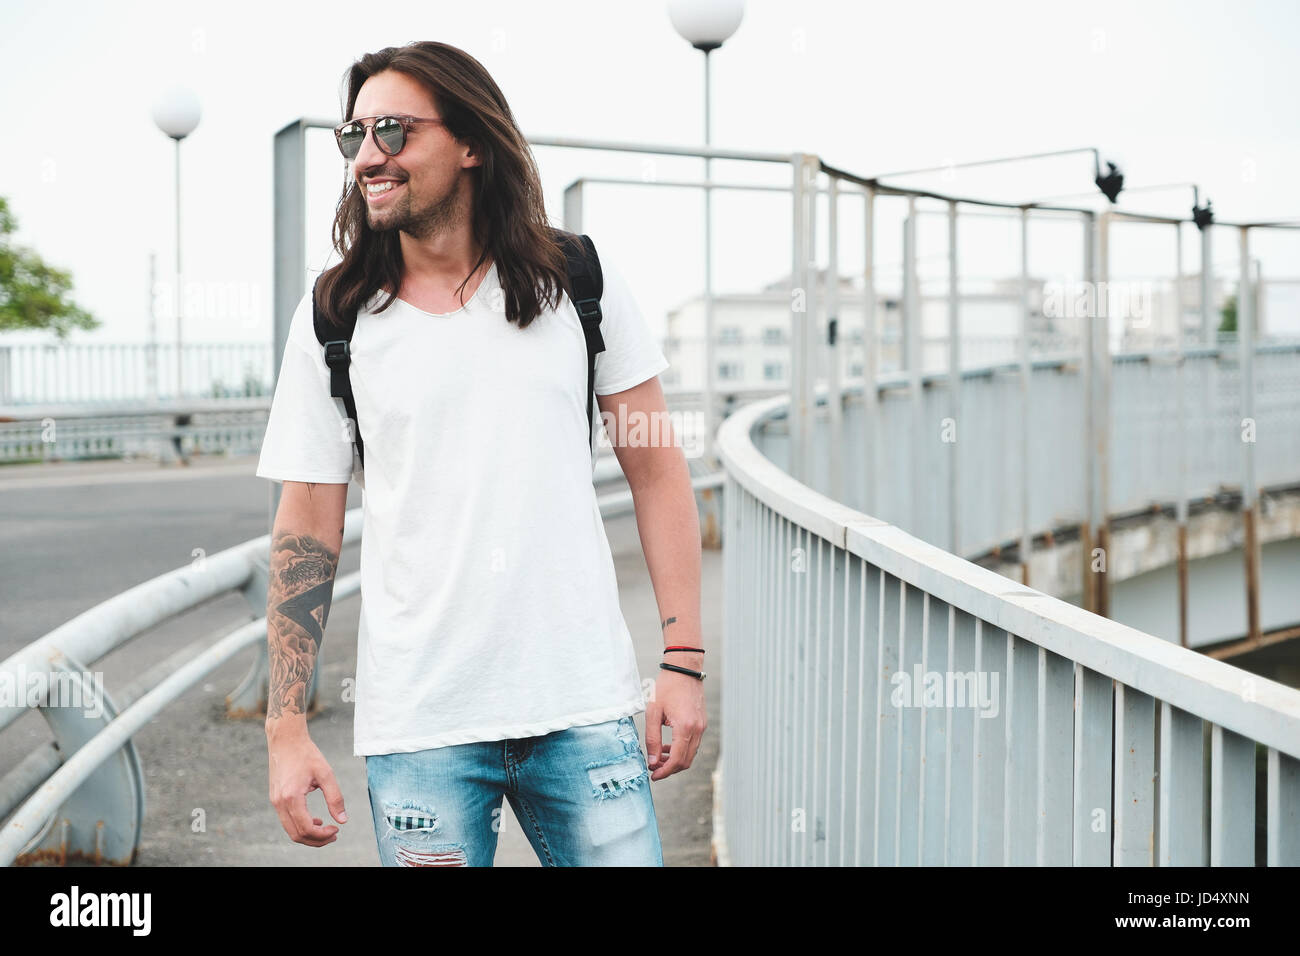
x,y
493,659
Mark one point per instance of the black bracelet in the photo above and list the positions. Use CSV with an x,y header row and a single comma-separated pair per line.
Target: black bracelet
x,y
683,670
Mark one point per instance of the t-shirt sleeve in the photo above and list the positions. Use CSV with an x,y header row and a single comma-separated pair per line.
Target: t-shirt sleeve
x,y
631,353
308,435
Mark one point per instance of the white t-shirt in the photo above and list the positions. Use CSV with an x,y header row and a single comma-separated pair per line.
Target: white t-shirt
x,y
489,605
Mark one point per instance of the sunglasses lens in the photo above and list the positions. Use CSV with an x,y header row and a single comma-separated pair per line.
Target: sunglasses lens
x,y
350,140
391,133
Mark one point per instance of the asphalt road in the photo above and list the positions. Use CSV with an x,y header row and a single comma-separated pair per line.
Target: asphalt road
x,y
75,534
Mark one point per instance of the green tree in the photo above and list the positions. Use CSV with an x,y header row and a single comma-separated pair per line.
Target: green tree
x,y
1229,313
33,295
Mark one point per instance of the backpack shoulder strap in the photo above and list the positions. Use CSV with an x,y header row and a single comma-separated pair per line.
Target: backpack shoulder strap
x,y
588,285
337,343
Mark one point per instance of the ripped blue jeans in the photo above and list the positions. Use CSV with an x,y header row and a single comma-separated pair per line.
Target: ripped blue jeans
x,y
581,794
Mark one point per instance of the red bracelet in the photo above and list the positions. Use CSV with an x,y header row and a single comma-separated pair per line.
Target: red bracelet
x,y
682,647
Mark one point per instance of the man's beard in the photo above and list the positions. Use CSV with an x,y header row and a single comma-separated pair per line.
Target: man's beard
x,y
439,217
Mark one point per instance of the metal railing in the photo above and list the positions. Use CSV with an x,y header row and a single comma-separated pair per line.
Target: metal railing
x,y
116,372
92,804
164,430
887,702
904,476
175,429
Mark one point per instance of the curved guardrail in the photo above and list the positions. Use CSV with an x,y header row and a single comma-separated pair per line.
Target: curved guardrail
x,y
887,702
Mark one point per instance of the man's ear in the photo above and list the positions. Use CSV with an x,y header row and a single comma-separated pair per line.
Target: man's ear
x,y
472,154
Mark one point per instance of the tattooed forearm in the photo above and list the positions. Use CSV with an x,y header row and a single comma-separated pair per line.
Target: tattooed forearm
x,y
298,606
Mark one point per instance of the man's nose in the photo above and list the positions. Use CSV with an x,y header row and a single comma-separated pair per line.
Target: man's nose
x,y
369,154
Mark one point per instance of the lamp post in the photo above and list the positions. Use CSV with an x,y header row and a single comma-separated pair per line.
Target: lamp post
x,y
705,25
176,112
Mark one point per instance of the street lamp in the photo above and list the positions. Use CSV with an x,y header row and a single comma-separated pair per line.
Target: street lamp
x,y
705,25
176,112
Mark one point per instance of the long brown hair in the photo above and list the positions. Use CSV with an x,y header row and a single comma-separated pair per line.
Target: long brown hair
x,y
509,214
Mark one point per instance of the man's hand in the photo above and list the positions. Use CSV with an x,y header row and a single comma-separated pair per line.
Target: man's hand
x,y
298,768
678,701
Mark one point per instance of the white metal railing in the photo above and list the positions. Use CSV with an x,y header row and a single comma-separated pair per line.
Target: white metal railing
x,y
172,429
887,702
88,799
163,430
64,372
903,476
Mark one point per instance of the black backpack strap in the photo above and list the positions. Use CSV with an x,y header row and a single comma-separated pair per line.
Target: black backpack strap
x,y
337,343
588,283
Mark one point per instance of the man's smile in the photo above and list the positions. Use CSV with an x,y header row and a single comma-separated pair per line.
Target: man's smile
x,y
378,192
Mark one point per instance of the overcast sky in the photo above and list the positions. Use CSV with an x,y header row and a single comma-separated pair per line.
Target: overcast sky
x,y
1179,91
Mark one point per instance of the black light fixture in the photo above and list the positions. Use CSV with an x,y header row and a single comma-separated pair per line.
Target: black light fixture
x,y
1111,183
1202,215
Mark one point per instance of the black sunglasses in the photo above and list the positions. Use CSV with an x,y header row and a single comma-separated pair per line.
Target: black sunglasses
x,y
390,133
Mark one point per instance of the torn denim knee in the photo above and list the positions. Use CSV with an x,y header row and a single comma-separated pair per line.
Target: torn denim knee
x,y
413,830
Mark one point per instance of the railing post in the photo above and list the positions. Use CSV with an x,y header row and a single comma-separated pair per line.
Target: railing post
x,y
990,748
1019,825
885,779
101,821
1053,837
1180,391
803,294
573,198
1207,287
1249,495
290,159
870,359
248,699
1232,799
710,351
1283,808
1135,766
832,350
954,386
1094,714
1101,420
1088,359
1026,486
912,358
1182,770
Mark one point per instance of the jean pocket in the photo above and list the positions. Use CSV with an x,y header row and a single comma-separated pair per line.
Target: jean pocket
x,y
626,731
